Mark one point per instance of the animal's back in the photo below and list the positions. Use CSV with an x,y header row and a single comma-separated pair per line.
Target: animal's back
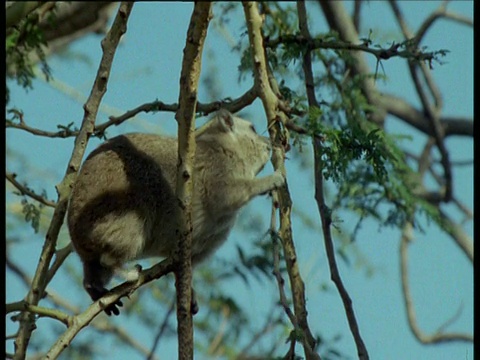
x,y
124,186
123,206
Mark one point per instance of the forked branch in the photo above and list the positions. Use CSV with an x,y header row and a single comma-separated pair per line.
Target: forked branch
x,y
40,280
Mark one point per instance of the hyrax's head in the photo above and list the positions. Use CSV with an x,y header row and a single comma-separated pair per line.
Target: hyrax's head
x,y
236,139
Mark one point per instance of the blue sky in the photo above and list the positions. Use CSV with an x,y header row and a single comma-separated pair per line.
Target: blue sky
x,y
147,67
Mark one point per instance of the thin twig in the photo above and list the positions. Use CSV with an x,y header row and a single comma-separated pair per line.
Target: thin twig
x,y
161,330
325,213
258,335
379,53
40,311
60,256
24,190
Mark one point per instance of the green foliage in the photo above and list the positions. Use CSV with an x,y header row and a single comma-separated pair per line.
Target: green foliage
x,y
32,213
20,43
365,163
281,19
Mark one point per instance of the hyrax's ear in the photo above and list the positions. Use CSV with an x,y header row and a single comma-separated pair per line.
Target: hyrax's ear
x,y
225,120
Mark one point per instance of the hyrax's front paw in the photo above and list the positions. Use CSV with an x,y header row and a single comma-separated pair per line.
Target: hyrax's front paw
x,y
278,180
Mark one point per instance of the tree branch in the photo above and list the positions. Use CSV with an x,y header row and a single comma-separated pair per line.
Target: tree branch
x,y
75,19
24,190
274,110
161,330
40,311
71,21
205,109
454,230
439,336
101,325
441,12
401,109
60,257
432,111
325,213
39,283
340,21
82,320
281,287
379,53
185,116
202,108
416,39
19,10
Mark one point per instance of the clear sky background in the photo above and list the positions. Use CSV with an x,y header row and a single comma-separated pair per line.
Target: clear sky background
x,y
147,67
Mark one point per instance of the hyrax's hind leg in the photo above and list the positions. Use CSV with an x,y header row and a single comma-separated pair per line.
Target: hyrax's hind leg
x,y
96,276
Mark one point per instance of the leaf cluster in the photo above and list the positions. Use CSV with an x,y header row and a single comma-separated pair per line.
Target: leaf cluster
x,y
32,213
366,165
21,43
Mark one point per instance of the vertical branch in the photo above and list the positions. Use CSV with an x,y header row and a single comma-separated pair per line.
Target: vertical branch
x,y
275,117
185,116
325,214
39,283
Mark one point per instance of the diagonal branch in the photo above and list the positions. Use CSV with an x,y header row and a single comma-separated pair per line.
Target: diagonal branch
x,y
450,227
401,109
82,320
101,325
24,190
39,283
161,330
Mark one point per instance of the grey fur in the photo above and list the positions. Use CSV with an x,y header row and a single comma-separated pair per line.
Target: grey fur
x,y
123,205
